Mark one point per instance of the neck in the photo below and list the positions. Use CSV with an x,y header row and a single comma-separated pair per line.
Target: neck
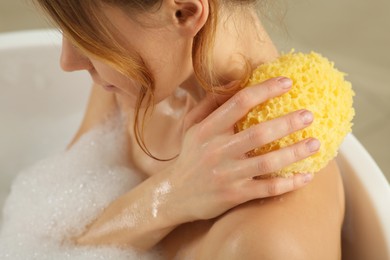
x,y
240,38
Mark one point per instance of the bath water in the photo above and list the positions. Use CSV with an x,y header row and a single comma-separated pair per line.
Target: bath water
x,y
55,199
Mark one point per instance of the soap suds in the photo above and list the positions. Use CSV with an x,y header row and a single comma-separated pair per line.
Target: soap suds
x,y
55,199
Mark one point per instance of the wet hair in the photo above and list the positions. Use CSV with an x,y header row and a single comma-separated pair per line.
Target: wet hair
x,y
85,25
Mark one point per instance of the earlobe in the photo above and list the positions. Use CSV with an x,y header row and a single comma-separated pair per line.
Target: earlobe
x,y
191,15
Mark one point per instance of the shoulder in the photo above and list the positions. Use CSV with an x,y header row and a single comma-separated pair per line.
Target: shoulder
x,y
304,224
100,105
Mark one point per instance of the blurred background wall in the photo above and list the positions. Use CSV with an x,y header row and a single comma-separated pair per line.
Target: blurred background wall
x,y
355,34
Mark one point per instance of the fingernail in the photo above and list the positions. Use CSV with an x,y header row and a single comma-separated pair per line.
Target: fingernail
x,y
307,177
306,116
285,83
313,145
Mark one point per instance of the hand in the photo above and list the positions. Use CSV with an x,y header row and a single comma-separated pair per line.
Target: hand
x,y
213,173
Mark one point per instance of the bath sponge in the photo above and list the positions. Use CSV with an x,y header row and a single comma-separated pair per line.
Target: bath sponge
x,y
318,87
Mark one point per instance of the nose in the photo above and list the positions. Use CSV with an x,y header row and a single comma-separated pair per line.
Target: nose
x,y
72,59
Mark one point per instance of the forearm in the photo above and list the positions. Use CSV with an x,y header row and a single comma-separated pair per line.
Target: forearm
x,y
138,219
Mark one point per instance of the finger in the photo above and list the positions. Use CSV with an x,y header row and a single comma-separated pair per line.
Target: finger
x,y
277,160
235,108
276,186
204,108
269,131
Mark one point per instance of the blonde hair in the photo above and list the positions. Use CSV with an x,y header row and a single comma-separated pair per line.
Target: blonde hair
x,y
85,25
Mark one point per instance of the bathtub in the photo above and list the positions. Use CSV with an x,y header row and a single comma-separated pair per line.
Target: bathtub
x,y
41,108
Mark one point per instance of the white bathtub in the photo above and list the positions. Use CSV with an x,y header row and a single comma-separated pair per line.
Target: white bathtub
x,y
41,108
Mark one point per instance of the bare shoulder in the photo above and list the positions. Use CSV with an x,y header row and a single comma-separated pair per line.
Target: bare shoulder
x,y
100,104
304,224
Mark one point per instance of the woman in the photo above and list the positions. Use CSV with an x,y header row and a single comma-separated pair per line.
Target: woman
x,y
171,67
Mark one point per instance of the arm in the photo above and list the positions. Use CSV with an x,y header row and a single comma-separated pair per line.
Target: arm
x,y
100,105
139,219
211,175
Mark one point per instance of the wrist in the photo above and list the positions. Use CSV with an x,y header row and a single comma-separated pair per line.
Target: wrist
x,y
140,218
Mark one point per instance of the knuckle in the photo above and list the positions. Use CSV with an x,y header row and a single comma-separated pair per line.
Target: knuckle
x,y
255,136
218,177
225,190
242,99
291,122
217,148
295,183
273,188
220,184
270,88
265,166
201,132
296,152
212,154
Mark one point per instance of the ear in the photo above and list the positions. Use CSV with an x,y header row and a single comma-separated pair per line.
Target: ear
x,y
189,15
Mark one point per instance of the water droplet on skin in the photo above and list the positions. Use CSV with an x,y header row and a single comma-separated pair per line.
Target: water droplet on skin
x,y
158,196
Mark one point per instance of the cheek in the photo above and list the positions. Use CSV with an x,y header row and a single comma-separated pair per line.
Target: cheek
x,y
108,75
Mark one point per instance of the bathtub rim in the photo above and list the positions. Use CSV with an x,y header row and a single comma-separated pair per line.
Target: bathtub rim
x,y
364,182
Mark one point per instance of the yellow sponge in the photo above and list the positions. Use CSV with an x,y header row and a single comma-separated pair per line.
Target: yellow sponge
x,y
317,87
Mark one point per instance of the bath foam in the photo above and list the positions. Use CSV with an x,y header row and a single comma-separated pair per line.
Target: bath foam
x,y
55,199
318,87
